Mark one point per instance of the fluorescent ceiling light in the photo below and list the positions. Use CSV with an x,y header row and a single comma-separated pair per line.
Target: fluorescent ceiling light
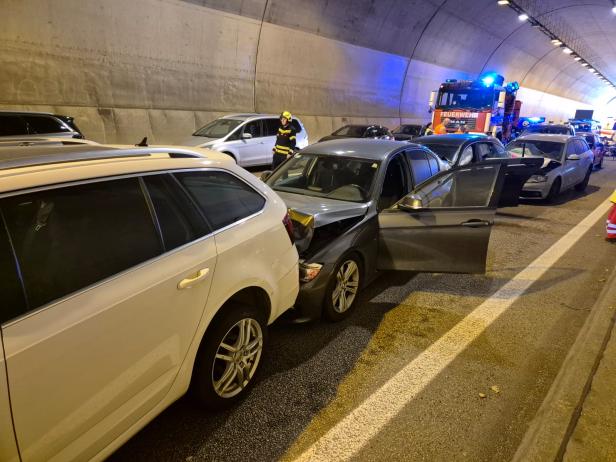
x,y
523,17
567,50
557,42
585,64
577,58
503,2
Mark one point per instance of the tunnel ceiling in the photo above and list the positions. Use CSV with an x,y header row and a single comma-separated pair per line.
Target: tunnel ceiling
x,y
469,36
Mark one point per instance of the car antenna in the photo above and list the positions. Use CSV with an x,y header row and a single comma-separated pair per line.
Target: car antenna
x,y
143,142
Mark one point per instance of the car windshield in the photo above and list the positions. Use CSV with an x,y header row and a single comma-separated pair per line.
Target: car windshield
x,y
218,128
471,98
408,130
534,148
355,131
550,129
341,178
444,151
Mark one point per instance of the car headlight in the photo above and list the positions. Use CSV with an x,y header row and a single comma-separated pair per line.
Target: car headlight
x,y
309,271
538,179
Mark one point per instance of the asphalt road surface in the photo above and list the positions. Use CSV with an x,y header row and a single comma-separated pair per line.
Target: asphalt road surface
x,y
473,385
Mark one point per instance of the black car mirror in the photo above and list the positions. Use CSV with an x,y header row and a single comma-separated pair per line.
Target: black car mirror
x,y
265,175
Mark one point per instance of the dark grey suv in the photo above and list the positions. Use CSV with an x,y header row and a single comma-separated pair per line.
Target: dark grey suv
x,y
37,125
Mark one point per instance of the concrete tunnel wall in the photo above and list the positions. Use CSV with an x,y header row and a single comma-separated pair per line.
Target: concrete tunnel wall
x,y
162,68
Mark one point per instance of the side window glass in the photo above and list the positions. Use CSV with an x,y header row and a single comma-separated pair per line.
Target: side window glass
x,y
469,187
270,127
69,238
467,156
571,147
254,128
591,141
223,198
395,185
583,146
420,166
483,151
39,124
13,303
497,151
11,125
434,166
179,220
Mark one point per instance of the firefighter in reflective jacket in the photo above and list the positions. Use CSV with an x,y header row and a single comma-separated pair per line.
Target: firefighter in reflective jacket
x,y
285,140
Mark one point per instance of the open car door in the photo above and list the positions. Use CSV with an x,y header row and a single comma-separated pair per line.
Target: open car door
x,y
517,173
444,224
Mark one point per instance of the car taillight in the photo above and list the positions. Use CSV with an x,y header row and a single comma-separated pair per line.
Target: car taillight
x,y
288,225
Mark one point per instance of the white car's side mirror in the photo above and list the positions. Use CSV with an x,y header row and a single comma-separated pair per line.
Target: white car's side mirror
x,y
246,136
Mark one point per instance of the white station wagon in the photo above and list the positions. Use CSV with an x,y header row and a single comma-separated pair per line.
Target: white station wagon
x,y
129,276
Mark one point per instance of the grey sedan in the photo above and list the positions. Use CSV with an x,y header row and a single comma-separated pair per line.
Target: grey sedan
x,y
363,206
567,163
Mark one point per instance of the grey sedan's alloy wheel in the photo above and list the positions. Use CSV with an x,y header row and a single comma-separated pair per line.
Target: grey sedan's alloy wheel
x,y
342,291
229,358
554,191
582,186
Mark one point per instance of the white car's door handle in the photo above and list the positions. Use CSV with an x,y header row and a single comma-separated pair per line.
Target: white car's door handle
x,y
198,277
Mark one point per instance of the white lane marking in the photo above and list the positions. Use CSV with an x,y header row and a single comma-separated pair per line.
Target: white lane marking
x,y
352,433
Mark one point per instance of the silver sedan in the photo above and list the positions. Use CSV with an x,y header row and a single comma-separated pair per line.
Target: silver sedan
x,y
567,163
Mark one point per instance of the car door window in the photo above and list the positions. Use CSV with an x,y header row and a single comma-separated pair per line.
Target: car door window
x,y
483,151
467,156
13,303
223,198
433,161
420,166
177,216
12,125
572,148
42,125
395,183
254,128
271,126
68,238
591,141
469,187
497,151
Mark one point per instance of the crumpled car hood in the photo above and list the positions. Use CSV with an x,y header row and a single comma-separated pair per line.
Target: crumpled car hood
x,y
309,213
322,210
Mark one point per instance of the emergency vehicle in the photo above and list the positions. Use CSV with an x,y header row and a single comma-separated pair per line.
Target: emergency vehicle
x,y
486,105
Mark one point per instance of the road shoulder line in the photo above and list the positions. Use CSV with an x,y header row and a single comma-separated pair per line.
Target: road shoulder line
x,y
547,436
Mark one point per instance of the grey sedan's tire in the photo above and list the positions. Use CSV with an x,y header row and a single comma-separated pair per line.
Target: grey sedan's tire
x,y
229,358
554,190
582,186
343,288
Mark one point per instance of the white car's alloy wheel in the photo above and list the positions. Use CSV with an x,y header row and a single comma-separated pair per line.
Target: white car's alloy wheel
x,y
237,358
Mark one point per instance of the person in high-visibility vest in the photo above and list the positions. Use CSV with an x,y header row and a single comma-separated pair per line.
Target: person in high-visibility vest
x,y
285,140
441,129
610,227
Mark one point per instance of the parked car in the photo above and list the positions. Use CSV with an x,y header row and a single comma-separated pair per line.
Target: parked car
x,y
552,129
129,275
362,206
406,132
360,131
567,163
596,146
34,124
248,138
464,149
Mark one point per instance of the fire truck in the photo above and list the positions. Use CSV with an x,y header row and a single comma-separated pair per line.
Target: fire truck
x,y
486,105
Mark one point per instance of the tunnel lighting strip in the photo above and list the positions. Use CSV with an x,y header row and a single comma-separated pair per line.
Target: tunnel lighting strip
x,y
524,15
